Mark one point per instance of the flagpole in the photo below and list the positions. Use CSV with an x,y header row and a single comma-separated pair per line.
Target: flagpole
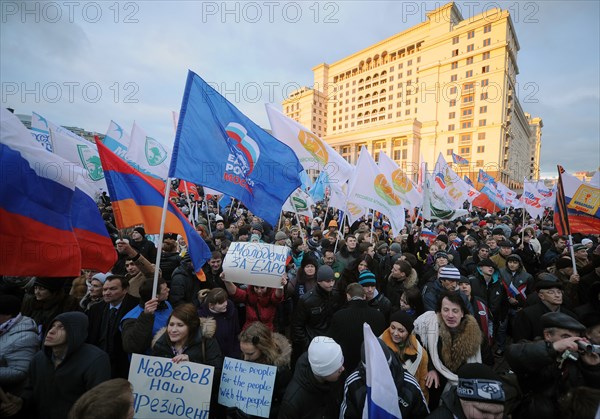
x,y
523,225
187,197
280,219
337,236
161,234
372,224
207,217
230,208
300,227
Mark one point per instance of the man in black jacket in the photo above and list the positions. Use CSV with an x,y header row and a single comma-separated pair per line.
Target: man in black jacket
x,y
104,319
316,388
347,324
314,311
487,285
63,370
527,324
548,368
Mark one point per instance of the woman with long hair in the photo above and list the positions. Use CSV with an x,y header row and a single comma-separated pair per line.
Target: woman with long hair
x,y
399,337
215,304
259,344
352,271
186,339
452,338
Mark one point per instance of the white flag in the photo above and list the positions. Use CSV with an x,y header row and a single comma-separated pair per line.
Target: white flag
x,y
312,152
148,154
117,139
401,183
448,185
74,149
508,196
382,400
532,200
436,206
299,202
371,189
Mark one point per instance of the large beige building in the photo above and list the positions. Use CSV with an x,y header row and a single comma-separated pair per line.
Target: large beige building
x,y
447,85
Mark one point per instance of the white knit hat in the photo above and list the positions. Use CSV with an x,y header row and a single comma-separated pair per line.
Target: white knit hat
x,y
325,356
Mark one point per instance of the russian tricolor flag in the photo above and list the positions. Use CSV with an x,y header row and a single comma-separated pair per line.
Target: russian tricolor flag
x,y
48,226
382,395
138,199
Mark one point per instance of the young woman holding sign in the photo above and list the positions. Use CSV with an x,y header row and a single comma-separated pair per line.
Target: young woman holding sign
x,y
188,338
259,344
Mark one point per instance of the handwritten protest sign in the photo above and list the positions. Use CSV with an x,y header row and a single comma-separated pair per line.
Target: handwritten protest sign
x,y
247,386
163,389
258,264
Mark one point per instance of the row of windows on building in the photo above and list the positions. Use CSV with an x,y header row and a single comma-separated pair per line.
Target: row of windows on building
x,y
471,34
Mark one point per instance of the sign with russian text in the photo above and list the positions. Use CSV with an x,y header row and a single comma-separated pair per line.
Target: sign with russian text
x,y
259,264
164,389
247,386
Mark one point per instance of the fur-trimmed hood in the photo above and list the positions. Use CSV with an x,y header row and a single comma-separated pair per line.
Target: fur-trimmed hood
x,y
458,346
208,327
284,353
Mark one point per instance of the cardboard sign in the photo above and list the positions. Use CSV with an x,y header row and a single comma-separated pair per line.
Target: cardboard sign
x,y
163,389
259,264
247,386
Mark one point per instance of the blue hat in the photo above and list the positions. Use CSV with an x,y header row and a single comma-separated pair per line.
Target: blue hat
x,y
367,278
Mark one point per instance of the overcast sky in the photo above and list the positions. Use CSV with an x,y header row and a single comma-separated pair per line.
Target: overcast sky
x,y
85,63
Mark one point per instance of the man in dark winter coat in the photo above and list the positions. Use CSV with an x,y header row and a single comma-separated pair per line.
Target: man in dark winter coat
x,y
185,284
144,246
486,284
546,371
314,311
104,319
480,393
64,369
347,324
527,324
448,277
410,397
316,388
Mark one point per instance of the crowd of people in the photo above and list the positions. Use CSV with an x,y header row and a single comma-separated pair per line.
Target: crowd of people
x,y
484,316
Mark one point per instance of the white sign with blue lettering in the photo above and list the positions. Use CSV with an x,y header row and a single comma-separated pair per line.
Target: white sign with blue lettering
x,y
247,386
164,389
259,264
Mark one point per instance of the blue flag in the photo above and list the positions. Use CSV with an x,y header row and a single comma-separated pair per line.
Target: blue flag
x,y
317,192
218,146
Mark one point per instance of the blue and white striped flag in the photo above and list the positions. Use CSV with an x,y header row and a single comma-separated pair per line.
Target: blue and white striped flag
x,y
382,395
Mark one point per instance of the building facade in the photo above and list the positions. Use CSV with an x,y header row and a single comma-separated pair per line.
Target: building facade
x,y
447,85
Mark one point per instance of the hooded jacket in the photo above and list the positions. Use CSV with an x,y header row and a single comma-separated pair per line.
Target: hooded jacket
x,y
520,279
53,390
308,398
18,346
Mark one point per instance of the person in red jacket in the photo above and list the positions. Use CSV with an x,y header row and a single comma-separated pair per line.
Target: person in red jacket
x,y
261,302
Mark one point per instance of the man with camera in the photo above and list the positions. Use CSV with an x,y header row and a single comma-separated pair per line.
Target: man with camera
x,y
547,369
